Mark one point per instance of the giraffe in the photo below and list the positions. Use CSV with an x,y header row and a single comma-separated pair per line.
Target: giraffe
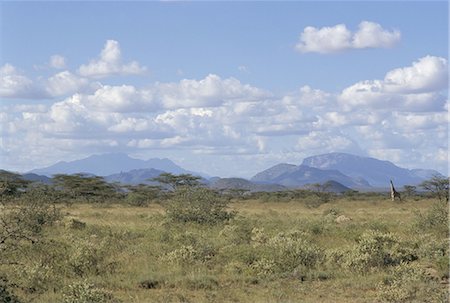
x,y
394,193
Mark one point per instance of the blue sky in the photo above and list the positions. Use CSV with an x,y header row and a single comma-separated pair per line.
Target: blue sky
x,y
227,88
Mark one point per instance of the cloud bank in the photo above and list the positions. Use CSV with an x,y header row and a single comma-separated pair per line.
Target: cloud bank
x,y
402,116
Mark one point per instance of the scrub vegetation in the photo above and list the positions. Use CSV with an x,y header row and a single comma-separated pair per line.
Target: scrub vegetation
x,y
81,240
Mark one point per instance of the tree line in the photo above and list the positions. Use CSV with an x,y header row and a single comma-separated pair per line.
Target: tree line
x,y
82,188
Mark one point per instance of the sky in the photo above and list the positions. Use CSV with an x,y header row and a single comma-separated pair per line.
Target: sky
x,y
224,88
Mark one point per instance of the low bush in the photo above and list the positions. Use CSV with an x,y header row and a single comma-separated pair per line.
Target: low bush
x,y
35,278
238,232
408,282
91,256
25,220
196,204
6,296
291,250
85,292
202,282
376,249
435,219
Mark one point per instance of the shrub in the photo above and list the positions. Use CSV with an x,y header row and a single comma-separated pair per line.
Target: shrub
x,y
84,292
409,283
5,294
240,232
377,249
436,218
200,205
286,250
137,199
264,267
25,221
186,254
235,267
203,282
258,237
35,278
91,256
292,250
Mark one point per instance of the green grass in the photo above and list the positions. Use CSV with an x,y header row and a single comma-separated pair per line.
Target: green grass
x,y
136,254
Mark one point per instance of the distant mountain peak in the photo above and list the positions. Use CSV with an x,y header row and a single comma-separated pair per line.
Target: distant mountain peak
x,y
110,163
376,172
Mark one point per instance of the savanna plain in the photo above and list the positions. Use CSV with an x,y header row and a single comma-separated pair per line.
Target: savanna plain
x,y
195,245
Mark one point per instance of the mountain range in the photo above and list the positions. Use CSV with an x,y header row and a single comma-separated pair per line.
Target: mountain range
x,y
290,175
376,172
108,164
348,170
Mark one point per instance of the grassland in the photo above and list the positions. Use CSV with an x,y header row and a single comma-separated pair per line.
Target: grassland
x,y
347,250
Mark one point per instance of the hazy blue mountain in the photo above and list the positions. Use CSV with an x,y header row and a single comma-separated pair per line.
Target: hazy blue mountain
x,y
135,176
37,178
335,187
239,183
273,173
107,164
376,172
297,176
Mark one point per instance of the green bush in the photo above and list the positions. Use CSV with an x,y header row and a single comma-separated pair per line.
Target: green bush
x,y
238,232
91,256
264,267
5,293
35,278
292,249
284,252
435,219
84,292
200,205
202,282
186,254
23,222
377,249
408,282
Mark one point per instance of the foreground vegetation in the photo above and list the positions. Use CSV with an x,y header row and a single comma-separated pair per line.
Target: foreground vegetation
x,y
194,245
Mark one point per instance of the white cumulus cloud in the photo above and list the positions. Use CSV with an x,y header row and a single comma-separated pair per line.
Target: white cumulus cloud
x,y
339,38
13,84
429,73
210,91
110,63
413,88
65,83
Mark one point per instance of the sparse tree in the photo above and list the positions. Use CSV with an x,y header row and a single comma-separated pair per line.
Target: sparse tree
x,y
142,194
197,204
409,190
89,188
173,182
438,186
11,184
322,191
25,220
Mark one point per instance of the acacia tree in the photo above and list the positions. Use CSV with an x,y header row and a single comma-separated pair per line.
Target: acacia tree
x,y
141,194
438,186
409,190
80,186
197,204
173,182
11,184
